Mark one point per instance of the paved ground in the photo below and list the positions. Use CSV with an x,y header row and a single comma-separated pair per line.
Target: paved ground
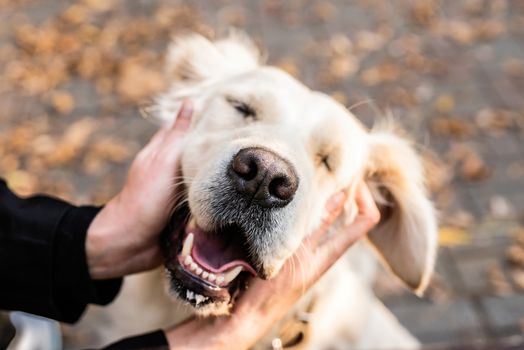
x,y
452,72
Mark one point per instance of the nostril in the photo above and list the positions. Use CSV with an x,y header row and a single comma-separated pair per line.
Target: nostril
x,y
281,188
245,168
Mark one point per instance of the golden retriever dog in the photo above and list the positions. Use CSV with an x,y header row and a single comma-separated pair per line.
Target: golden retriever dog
x,y
263,156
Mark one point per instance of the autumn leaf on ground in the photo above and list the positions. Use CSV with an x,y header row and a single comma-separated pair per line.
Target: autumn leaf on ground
x,y
451,236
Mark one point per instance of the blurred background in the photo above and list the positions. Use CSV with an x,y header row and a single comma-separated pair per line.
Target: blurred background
x,y
74,74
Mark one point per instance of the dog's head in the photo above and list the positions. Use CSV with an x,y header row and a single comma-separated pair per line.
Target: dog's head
x,y
263,156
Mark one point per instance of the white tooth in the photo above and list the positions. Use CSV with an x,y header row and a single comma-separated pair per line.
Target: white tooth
x,y
193,266
220,280
212,277
205,274
198,271
188,260
190,295
188,244
232,274
200,298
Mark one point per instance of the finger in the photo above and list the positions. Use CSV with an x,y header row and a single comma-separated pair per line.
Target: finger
x,y
367,218
182,121
157,138
334,208
173,132
366,204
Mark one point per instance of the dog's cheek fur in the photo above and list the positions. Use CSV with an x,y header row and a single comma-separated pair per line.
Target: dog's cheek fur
x,y
406,237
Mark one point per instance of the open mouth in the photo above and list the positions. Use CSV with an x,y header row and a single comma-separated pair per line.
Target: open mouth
x,y
206,267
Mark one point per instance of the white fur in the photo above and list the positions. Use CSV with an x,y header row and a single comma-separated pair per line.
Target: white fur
x,y
297,124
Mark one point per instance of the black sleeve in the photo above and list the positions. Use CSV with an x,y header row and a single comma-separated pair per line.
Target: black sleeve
x,y
43,267
152,341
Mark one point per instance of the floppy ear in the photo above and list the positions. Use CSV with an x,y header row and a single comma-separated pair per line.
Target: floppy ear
x,y
193,62
194,59
406,237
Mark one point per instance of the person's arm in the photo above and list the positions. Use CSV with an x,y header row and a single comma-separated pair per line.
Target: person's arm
x,y
43,267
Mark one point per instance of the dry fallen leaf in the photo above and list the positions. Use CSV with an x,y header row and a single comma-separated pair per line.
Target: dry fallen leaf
x,y
138,82
340,44
9,163
459,219
489,29
497,281
99,5
461,31
62,101
111,149
496,121
324,10
515,255
472,167
452,126
386,72
288,65
445,103
518,236
21,182
72,142
369,41
452,236
438,173
516,170
343,66
423,12
500,207
514,67
517,275
233,16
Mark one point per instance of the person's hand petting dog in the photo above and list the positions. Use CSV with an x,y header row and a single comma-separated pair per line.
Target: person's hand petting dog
x,y
266,302
124,236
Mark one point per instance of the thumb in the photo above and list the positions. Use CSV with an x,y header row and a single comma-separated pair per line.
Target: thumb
x,y
182,121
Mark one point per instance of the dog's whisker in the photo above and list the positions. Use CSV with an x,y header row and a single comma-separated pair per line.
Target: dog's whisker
x,y
179,205
367,101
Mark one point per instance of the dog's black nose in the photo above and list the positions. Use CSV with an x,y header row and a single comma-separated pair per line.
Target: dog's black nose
x,y
263,176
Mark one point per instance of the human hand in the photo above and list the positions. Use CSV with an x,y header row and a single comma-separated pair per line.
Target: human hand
x,y
124,236
266,302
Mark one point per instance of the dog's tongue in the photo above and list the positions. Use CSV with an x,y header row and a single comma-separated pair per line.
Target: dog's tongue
x,y
220,251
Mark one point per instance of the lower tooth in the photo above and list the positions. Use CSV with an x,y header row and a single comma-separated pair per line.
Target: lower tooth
x,y
200,298
193,266
205,274
212,277
198,271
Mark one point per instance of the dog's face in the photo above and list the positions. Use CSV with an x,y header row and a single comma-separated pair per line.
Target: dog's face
x,y
263,155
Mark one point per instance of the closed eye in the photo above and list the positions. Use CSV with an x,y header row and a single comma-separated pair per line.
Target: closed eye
x,y
243,108
324,160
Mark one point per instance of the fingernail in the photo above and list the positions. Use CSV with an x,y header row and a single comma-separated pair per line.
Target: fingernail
x,y
336,201
187,109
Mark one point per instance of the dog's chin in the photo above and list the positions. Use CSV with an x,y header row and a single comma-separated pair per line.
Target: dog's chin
x,y
206,269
